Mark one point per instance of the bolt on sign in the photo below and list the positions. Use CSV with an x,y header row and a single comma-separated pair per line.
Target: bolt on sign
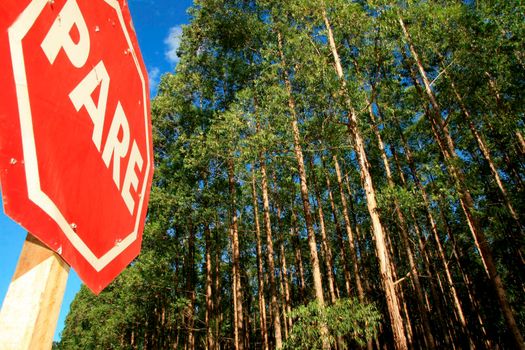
x,y
76,155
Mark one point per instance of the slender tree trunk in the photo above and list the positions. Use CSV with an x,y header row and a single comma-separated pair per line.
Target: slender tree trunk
x,y
355,239
190,288
349,233
260,272
466,281
312,244
316,271
326,249
405,238
237,288
521,142
383,255
270,254
342,252
217,311
296,238
486,154
466,200
210,341
284,265
519,137
287,294
434,229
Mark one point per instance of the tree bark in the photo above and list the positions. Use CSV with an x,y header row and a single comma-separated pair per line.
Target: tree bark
x,y
298,151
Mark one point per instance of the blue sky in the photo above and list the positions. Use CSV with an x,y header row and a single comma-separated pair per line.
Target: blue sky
x,y
158,26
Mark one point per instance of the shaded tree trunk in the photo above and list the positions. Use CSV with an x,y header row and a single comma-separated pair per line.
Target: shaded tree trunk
x,y
260,271
238,326
339,233
210,339
270,255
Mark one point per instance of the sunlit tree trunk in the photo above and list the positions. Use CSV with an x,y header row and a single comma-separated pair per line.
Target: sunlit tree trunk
x,y
435,233
383,255
326,249
414,271
298,151
287,307
190,288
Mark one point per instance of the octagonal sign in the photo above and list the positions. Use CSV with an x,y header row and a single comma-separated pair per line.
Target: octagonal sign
x,y
76,159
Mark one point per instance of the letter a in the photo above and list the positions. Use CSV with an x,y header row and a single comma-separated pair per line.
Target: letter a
x,y
81,97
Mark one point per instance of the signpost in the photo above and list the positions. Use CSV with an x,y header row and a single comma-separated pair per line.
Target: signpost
x,y
76,155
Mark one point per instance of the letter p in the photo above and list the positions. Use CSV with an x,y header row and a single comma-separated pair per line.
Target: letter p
x,y
59,36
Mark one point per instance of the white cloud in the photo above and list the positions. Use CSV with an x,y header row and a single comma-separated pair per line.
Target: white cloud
x,y
172,42
154,80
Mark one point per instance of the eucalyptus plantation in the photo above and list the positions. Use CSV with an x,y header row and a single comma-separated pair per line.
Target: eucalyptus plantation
x,y
331,175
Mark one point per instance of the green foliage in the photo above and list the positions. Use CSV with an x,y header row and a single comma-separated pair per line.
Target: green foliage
x,y
346,318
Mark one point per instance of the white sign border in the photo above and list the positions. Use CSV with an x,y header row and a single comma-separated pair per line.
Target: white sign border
x,y
17,32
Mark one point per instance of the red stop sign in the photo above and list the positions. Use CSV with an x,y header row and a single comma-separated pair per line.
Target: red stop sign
x,y
76,156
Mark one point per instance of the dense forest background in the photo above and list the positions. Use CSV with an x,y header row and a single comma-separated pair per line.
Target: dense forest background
x,y
331,174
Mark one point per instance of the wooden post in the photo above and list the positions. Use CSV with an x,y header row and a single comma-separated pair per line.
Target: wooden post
x,y
32,304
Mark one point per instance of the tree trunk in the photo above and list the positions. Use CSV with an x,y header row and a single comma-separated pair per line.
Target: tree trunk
x,y
217,311
466,200
385,267
270,255
190,288
296,238
486,154
260,272
326,249
342,252
433,228
287,304
298,151
210,341
312,244
404,237
238,328
350,235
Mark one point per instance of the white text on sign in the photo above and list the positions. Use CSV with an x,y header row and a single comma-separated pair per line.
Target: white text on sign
x,y
115,148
